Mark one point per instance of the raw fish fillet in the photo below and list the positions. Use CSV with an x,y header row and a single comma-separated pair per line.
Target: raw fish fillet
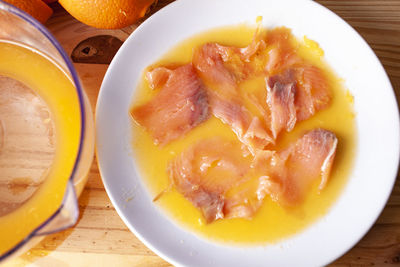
x,y
210,66
225,66
158,77
222,68
179,106
314,92
218,179
248,128
292,76
295,95
281,51
231,179
281,93
291,172
295,90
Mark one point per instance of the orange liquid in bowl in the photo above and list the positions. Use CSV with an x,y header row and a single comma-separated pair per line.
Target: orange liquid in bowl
x,y
272,222
40,129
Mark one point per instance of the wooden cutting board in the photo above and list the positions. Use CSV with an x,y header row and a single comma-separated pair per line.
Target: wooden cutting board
x,y
100,238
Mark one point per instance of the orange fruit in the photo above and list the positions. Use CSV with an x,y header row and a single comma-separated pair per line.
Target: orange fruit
x,y
107,14
36,8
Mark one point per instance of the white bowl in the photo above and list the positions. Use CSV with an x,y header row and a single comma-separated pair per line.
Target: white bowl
x,y
347,53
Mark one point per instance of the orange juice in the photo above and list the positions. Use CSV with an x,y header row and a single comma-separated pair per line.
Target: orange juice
x,y
272,222
40,132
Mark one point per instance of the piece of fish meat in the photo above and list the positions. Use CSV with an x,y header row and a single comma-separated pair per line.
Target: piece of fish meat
x,y
295,95
248,128
314,93
179,106
281,52
222,68
216,177
291,172
281,93
290,76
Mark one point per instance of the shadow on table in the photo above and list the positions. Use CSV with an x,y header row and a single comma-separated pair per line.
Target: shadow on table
x,y
51,242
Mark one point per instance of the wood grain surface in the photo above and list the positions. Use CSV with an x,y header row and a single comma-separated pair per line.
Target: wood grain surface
x,y
100,238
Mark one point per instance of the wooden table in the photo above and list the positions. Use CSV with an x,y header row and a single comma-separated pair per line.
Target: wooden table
x,y
100,238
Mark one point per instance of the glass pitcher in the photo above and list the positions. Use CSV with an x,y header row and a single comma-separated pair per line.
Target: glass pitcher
x,y
46,134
